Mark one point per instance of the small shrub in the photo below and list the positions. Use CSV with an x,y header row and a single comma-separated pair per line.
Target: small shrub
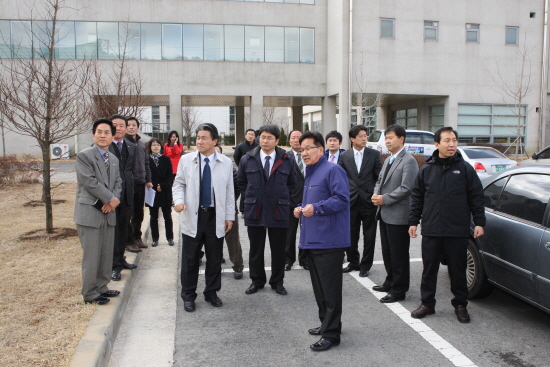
x,y
13,170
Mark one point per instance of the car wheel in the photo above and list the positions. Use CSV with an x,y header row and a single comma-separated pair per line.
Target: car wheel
x,y
478,285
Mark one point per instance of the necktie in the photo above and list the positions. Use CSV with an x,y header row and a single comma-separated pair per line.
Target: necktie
x,y
106,160
300,163
332,158
119,145
392,158
358,161
206,189
266,166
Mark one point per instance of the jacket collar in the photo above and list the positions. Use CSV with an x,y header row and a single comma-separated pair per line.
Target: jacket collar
x,y
279,152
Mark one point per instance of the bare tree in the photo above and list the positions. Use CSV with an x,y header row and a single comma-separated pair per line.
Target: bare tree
x,y
3,133
189,122
364,99
43,97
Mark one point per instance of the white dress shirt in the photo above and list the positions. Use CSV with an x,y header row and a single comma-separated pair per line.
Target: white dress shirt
x,y
271,161
358,155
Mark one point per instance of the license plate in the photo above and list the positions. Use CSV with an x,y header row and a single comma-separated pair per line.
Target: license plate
x,y
500,168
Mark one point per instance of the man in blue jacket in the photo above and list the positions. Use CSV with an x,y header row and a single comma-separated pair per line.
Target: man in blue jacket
x,y
325,234
266,178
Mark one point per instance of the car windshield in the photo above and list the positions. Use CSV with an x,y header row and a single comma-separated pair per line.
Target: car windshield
x,y
484,153
413,138
375,136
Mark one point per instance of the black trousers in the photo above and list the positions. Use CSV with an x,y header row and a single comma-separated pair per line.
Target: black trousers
x,y
134,229
277,241
123,213
234,245
325,269
290,249
190,256
362,213
154,223
395,252
454,250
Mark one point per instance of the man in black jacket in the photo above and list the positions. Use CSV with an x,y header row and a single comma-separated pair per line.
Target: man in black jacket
x,y
240,150
447,192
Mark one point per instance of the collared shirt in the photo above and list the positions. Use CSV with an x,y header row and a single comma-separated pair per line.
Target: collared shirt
x,y
336,156
102,151
211,163
358,154
296,156
120,147
271,161
396,154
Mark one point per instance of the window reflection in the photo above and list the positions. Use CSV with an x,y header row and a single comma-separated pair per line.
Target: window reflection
x,y
213,42
107,41
254,43
307,51
150,41
171,42
5,39
234,42
129,41
274,44
65,41
86,40
292,45
21,41
42,32
192,41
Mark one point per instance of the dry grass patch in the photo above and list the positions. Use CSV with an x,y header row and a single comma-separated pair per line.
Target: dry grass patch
x,y
42,315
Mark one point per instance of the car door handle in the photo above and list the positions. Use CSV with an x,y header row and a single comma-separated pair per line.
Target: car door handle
x,y
547,245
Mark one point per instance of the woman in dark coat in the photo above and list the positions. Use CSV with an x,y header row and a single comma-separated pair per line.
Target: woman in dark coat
x,y
161,177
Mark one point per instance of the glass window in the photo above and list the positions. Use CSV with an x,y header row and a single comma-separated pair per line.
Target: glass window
x,y
427,139
130,40
512,35
254,42
474,120
492,193
508,110
474,130
526,197
292,1
21,39
171,42
86,40
292,44
151,41
472,32
545,154
474,109
65,45
307,2
484,153
374,136
430,30
192,41
413,138
307,45
386,28
5,39
213,42
274,44
107,40
42,33
234,42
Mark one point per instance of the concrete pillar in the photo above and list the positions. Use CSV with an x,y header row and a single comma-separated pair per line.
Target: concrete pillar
x,y
381,117
451,112
175,114
239,124
256,111
329,115
422,115
297,117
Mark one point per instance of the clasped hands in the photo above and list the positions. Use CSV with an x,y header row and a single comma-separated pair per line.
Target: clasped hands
x,y
110,206
307,211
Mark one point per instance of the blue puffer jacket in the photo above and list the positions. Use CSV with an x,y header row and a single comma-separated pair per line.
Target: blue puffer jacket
x,y
266,202
327,188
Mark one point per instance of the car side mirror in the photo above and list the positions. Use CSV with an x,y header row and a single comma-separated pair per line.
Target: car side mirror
x,y
535,156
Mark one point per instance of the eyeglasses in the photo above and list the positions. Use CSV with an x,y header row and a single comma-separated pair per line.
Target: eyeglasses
x,y
156,145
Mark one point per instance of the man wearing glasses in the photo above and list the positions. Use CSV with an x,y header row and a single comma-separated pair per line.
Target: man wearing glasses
x,y
267,178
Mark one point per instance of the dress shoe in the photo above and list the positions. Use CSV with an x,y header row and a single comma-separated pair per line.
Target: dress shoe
x,y
189,306
315,331
288,267
223,260
115,275
391,298
110,293
253,289
363,273
214,300
279,289
133,248
462,314
422,312
171,242
349,268
305,266
99,300
139,243
155,243
238,275
126,265
381,288
323,344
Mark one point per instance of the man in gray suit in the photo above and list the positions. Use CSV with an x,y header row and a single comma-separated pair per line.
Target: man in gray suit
x,y
392,196
97,197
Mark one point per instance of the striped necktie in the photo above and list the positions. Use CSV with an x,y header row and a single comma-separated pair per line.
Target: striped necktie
x,y
266,166
332,158
106,161
300,163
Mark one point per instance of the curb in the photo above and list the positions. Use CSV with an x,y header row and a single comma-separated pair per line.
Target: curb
x,y
96,344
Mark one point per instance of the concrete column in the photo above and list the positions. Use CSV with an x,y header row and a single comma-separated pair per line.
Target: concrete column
x,y
451,112
239,124
422,115
175,114
329,115
381,117
297,117
256,111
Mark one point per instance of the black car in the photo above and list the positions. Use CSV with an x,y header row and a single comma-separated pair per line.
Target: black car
x,y
514,253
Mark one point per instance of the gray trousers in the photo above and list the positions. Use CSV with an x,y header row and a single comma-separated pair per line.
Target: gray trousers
x,y
97,258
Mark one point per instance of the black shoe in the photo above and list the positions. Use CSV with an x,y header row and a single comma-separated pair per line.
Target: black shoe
x,y
126,265
99,300
391,298
381,288
115,275
288,267
462,314
155,243
279,289
253,289
189,306
171,242
315,331
238,275
349,268
363,273
323,344
214,300
223,260
110,293
305,266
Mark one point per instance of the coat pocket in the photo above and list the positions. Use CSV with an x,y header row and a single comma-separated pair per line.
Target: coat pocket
x,y
282,209
251,211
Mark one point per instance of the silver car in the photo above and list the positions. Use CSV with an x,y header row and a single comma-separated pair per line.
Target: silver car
x,y
542,157
486,160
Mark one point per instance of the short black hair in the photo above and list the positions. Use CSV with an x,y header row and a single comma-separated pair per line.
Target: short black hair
x,y
437,134
220,147
133,118
290,133
119,117
316,136
354,131
247,130
208,127
271,129
155,140
103,121
334,134
398,130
